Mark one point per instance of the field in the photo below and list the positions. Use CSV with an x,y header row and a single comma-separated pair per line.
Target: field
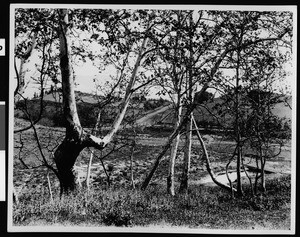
x,y
112,200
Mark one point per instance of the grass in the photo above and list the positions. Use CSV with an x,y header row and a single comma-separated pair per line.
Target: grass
x,y
119,205
202,207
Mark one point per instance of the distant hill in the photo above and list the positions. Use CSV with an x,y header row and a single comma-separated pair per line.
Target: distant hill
x,y
56,96
145,113
88,108
208,114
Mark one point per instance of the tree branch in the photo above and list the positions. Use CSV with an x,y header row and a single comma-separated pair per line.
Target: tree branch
x,y
102,142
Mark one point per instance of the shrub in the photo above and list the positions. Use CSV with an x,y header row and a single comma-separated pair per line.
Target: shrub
x,y
117,216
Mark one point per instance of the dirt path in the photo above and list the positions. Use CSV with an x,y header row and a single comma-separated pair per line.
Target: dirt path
x,y
148,118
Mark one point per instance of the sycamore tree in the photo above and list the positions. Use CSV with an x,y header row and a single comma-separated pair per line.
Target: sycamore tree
x,y
76,138
124,38
230,39
249,87
266,131
170,73
184,60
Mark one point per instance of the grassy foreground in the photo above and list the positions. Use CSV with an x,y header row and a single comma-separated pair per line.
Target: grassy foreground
x,y
203,207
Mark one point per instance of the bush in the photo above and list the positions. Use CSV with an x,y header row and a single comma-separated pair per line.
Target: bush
x,y
117,216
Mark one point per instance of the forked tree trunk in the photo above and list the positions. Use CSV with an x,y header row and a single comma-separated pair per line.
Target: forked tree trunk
x,y
175,143
68,151
76,138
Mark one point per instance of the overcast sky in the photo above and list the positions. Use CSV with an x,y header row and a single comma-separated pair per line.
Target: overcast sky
x,y
87,72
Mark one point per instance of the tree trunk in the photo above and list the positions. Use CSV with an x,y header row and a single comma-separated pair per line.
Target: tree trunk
x,y
68,151
206,158
213,71
170,178
249,178
187,157
19,90
189,125
263,179
131,164
237,128
227,166
172,137
256,174
88,172
65,157
168,145
238,171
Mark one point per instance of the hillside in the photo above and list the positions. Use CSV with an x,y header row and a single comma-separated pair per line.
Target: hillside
x,y
145,113
207,114
88,107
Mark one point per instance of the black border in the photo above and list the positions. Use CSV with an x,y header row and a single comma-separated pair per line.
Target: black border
x,y
4,92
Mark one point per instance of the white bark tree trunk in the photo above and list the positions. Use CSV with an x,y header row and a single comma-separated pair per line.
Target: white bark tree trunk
x,y
187,157
188,138
20,74
175,143
88,173
206,158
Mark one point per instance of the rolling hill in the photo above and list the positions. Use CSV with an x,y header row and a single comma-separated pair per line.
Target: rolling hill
x,y
145,113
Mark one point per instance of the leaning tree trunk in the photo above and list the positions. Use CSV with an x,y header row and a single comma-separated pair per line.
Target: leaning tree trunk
x,y
208,166
171,138
170,178
166,147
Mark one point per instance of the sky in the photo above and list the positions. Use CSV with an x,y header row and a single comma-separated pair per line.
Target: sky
x,y
86,73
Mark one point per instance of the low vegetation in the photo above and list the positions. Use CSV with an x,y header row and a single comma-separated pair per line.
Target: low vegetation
x,y
118,204
203,207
